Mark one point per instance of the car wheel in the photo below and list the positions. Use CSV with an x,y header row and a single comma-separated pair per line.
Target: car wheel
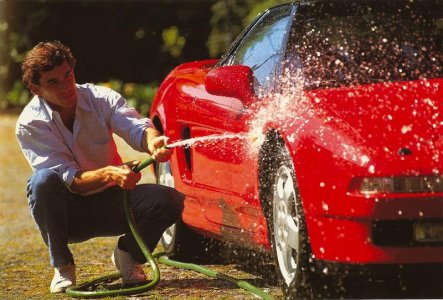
x,y
179,241
286,225
164,177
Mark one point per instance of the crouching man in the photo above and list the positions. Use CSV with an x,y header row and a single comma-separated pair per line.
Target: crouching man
x,y
75,192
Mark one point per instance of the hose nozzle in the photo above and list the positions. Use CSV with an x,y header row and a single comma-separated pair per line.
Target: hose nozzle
x,y
147,162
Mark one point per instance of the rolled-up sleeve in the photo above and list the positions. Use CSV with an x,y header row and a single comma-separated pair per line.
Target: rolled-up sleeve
x,y
43,151
126,122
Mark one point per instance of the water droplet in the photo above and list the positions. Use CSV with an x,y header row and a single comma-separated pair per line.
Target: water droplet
x,y
325,207
364,160
406,128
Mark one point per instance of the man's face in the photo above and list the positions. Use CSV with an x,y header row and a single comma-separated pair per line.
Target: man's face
x,y
57,87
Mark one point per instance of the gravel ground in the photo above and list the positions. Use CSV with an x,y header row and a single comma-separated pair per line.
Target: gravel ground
x,y
24,269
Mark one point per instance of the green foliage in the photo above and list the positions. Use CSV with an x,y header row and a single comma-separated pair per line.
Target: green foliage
x,y
139,96
257,7
3,54
12,48
18,43
18,31
230,17
226,24
173,42
18,96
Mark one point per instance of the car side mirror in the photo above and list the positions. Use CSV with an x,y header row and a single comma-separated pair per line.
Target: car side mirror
x,y
231,81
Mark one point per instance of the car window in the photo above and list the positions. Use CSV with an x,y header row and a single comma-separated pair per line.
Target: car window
x,y
261,49
387,41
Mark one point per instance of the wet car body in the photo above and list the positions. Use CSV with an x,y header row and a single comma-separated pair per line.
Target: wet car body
x,y
357,118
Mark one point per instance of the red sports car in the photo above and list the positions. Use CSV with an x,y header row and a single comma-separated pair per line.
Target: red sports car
x,y
318,138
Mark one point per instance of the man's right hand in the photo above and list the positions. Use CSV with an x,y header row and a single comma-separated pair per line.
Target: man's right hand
x,y
124,176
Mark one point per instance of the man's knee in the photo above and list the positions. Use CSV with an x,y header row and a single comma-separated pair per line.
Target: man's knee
x,y
178,202
173,200
43,186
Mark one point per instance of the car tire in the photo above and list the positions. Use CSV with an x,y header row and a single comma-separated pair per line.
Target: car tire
x,y
286,224
179,241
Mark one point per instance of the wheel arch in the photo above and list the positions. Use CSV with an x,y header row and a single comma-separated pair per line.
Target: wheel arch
x,y
265,167
270,157
158,124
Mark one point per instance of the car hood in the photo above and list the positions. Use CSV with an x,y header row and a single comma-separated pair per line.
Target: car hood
x,y
389,119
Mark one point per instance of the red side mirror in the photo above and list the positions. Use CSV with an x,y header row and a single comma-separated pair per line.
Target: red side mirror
x,y
231,81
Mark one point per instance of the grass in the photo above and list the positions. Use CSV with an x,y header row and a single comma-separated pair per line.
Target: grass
x,y
25,272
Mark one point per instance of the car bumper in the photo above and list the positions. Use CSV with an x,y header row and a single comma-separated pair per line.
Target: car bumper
x,y
351,240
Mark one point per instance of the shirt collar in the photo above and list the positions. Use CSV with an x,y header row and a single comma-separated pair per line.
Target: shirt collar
x,y
47,108
81,103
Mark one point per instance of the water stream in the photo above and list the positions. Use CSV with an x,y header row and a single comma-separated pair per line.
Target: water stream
x,y
252,140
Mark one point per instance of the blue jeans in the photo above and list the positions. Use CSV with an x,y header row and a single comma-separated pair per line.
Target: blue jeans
x,y
63,217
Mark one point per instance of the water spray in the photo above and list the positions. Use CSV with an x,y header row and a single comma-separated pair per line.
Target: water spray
x,y
253,140
88,288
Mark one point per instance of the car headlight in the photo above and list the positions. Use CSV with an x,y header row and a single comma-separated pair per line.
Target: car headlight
x,y
404,184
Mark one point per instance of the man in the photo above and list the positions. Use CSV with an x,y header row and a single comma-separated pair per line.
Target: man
x,y
75,192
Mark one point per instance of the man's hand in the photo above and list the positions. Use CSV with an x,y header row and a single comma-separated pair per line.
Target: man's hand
x,y
87,181
153,144
125,177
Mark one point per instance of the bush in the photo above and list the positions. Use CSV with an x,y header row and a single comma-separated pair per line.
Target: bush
x,y
17,97
138,95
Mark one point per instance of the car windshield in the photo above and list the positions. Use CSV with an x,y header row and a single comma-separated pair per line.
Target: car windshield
x,y
342,43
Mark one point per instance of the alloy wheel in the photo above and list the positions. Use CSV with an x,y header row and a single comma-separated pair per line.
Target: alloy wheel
x,y
286,225
164,177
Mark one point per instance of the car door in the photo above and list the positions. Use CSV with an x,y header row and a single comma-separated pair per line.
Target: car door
x,y
261,49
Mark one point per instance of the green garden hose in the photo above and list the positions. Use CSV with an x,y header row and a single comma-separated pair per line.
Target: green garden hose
x,y
85,290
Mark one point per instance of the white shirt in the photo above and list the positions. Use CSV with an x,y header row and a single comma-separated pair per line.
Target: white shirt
x,y
100,111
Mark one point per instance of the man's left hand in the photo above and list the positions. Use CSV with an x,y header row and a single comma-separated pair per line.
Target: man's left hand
x,y
155,145
157,149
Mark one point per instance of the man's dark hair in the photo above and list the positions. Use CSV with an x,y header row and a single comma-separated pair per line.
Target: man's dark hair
x,y
44,57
